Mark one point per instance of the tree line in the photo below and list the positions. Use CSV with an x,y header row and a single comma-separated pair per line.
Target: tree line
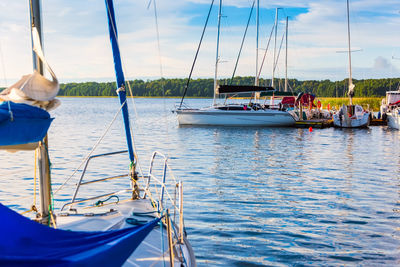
x,y
204,87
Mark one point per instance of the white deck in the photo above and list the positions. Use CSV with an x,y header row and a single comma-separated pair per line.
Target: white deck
x,y
153,251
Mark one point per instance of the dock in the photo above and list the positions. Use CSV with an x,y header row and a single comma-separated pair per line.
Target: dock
x,y
317,123
377,122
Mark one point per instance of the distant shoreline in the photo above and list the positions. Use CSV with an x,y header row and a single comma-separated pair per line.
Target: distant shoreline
x,y
204,88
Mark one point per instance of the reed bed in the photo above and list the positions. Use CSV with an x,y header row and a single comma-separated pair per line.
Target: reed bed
x,y
371,103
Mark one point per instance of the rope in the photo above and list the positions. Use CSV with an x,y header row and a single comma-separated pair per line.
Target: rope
x,y
101,202
10,111
52,219
91,151
34,181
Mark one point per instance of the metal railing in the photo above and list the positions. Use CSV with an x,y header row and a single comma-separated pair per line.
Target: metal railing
x,y
160,187
80,183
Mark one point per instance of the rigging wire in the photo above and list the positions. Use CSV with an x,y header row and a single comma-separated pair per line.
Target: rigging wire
x,y
92,150
241,45
266,50
197,52
162,81
279,51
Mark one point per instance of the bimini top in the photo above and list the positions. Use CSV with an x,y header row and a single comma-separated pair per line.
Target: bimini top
x,y
27,243
393,97
229,89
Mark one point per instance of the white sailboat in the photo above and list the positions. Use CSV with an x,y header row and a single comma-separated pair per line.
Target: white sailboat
x,y
228,114
351,116
390,109
139,230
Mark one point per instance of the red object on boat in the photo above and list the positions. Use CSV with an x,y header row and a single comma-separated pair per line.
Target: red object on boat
x,y
288,100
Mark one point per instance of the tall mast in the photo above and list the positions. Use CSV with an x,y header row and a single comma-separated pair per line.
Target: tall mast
x,y
256,81
351,86
112,27
43,156
276,30
256,77
36,21
217,54
286,56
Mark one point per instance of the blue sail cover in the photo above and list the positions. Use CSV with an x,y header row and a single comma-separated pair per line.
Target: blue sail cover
x,y
28,124
27,243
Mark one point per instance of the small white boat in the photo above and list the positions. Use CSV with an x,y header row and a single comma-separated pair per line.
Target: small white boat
x,y
351,116
390,109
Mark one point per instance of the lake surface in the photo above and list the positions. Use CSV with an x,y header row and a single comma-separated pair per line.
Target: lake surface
x,y
252,196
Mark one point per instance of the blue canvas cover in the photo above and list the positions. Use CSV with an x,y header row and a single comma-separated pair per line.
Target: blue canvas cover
x,y
28,124
24,242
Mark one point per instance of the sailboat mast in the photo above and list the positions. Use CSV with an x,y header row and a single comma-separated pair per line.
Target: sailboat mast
x,y
273,64
256,82
35,12
286,54
350,92
119,75
256,77
43,156
217,54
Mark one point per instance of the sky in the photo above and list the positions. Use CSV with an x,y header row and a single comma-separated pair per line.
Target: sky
x,y
77,47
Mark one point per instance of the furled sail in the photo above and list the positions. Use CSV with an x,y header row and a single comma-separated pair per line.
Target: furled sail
x,y
34,89
27,243
24,120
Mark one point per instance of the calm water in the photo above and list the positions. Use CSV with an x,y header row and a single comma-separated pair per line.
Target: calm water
x,y
253,196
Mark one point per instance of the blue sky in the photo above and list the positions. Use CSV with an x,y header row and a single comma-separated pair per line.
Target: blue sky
x,y
77,46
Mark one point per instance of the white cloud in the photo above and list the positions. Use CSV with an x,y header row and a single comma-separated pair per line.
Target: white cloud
x,y
77,45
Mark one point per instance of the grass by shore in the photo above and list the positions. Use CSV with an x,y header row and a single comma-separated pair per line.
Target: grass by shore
x,y
371,103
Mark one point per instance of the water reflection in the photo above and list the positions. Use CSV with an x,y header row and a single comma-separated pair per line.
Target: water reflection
x,y
253,196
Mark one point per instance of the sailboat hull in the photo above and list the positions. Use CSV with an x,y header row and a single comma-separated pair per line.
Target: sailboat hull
x,y
352,116
353,122
213,116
